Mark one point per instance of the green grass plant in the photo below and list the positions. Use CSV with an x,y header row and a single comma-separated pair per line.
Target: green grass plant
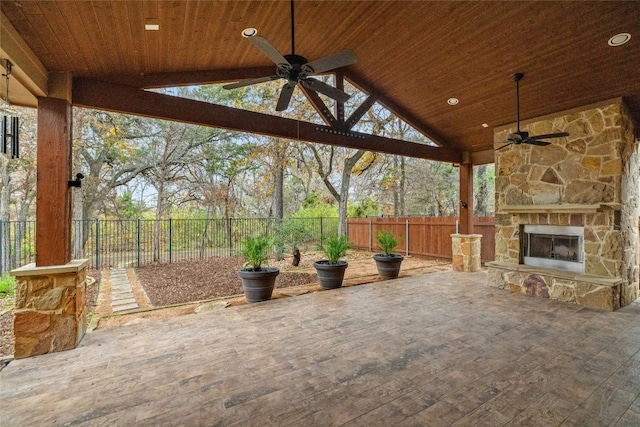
x,y
387,241
7,286
335,247
255,251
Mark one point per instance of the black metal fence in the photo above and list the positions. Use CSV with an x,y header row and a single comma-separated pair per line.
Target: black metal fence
x,y
124,243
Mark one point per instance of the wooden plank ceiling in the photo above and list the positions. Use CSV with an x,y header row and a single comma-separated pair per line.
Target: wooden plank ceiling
x,y
413,55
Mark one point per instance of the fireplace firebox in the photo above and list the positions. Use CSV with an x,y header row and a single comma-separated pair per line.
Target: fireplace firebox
x,y
553,246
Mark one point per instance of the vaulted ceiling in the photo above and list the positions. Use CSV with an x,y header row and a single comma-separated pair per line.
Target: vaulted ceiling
x,y
413,55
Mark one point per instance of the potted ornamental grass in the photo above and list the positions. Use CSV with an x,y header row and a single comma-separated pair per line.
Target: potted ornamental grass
x,y
388,263
257,281
331,270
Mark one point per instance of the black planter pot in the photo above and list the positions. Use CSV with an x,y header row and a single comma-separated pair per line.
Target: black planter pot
x,y
388,265
258,285
330,276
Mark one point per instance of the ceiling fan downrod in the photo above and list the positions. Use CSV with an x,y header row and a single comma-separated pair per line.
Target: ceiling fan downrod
x,y
293,31
517,77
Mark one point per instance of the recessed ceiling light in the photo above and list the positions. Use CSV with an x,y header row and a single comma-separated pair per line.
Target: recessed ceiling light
x,y
249,32
151,27
452,101
619,39
484,125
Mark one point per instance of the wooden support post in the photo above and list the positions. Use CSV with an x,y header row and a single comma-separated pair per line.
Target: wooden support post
x,y
53,204
466,199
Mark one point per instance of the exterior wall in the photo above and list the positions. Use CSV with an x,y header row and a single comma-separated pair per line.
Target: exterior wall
x,y
596,165
630,209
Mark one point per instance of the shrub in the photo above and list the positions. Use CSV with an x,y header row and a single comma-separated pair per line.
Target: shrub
x,y
7,286
335,247
255,251
387,241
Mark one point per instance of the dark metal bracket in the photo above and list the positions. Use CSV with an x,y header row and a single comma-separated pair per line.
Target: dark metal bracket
x,y
77,182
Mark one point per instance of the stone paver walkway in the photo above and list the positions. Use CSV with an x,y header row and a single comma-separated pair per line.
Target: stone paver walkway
x,y
436,350
122,298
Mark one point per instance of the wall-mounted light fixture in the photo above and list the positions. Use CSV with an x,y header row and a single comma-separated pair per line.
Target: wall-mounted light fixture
x,y
76,182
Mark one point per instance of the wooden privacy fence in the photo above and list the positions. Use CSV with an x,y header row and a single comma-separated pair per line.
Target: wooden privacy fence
x,y
426,236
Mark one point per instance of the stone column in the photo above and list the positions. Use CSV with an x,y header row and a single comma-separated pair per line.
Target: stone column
x,y
466,252
50,313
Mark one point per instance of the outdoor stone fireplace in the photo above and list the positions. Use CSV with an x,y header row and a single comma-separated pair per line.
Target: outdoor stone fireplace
x,y
567,213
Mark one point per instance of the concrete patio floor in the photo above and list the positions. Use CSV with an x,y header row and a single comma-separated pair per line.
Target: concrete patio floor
x,y
441,349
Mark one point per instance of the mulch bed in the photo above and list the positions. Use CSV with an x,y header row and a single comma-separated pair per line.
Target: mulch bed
x,y
189,281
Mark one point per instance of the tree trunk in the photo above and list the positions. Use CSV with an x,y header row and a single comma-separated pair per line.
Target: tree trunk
x,y
5,243
158,223
77,205
402,187
481,196
21,228
396,188
349,163
278,196
228,219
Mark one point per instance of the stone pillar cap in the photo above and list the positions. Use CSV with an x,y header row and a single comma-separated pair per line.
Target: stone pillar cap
x,y
72,266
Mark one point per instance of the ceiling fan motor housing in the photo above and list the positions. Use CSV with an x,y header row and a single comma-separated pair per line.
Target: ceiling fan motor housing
x,y
293,71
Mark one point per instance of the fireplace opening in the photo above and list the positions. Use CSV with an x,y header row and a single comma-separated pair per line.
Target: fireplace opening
x,y
552,246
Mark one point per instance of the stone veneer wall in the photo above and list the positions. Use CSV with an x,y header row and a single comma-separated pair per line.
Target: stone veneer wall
x,y
50,313
597,164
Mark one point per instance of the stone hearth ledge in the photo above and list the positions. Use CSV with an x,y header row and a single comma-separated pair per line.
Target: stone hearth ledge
x,y
591,291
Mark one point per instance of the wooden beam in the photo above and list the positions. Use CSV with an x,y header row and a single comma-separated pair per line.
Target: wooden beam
x,y
53,204
186,78
362,109
466,198
60,85
27,69
483,157
125,99
319,105
395,108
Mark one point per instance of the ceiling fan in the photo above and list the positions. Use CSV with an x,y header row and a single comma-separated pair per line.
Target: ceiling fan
x,y
522,137
296,69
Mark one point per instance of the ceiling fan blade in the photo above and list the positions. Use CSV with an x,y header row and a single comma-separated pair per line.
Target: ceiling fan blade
x,y
285,96
504,146
268,49
550,135
336,60
330,91
535,142
249,82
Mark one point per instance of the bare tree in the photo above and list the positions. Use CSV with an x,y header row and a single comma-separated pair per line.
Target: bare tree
x,y
18,191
